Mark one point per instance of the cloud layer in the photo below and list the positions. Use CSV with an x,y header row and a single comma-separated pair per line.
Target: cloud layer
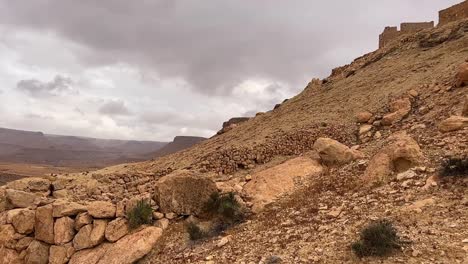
x,y
179,66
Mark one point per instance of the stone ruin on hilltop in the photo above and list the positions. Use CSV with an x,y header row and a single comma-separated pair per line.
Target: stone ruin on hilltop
x,y
454,13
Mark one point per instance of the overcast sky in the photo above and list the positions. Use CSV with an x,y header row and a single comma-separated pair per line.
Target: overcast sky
x,y
154,69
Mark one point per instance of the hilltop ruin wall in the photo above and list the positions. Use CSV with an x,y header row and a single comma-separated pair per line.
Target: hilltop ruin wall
x,y
454,13
390,33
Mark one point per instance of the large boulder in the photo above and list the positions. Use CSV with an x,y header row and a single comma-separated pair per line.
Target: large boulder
x,y
125,251
462,75
400,154
333,152
37,253
399,109
116,229
183,193
453,123
22,220
20,199
267,185
44,224
101,209
64,230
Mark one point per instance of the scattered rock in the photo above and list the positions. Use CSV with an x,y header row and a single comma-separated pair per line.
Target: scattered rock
x,y
399,110
332,151
162,223
224,241
406,175
158,215
453,123
363,117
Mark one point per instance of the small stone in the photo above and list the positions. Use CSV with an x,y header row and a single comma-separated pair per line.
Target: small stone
x,y
224,241
158,215
248,177
171,216
162,223
406,175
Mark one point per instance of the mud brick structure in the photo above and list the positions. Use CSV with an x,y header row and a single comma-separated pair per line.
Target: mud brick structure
x,y
454,13
391,33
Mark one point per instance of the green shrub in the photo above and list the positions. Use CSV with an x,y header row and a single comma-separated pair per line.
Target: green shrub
x,y
377,239
140,214
195,232
454,166
225,206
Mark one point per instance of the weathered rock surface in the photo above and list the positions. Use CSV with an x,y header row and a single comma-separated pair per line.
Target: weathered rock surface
x,y
44,224
7,233
82,239
9,256
268,185
400,154
332,151
22,220
465,107
19,199
183,193
453,123
65,208
116,229
363,117
99,229
60,254
82,219
101,209
125,251
64,230
399,110
37,253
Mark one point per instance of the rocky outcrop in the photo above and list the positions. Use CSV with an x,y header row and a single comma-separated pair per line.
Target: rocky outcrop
x,y
333,152
268,185
232,123
183,193
400,154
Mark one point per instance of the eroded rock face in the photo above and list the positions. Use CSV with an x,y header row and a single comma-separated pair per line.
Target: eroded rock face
x,y
332,151
267,185
116,229
183,193
400,154
399,110
125,251
453,123
44,224
101,209
462,75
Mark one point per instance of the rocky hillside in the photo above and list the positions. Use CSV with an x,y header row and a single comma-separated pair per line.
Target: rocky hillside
x,y
179,143
385,137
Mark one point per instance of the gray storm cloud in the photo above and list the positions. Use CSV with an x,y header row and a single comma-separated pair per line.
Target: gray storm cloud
x,y
216,44
36,88
114,108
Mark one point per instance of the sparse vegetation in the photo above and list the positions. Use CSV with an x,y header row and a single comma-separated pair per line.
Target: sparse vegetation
x,y
377,239
195,232
454,166
225,206
140,214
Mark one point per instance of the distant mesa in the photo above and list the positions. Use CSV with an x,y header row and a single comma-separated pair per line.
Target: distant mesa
x,y
451,14
232,123
179,143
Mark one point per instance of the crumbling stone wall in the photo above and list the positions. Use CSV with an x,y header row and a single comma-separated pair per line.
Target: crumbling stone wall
x,y
391,33
456,12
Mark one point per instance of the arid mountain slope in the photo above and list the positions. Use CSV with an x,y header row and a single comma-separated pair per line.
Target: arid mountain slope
x,y
179,143
425,61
